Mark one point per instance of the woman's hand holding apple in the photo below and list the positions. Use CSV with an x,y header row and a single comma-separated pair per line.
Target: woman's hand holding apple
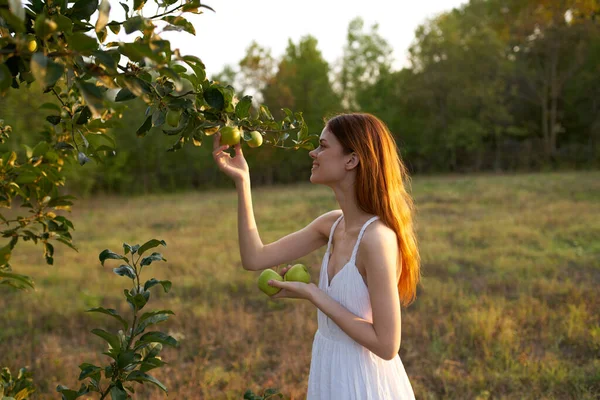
x,y
294,289
234,167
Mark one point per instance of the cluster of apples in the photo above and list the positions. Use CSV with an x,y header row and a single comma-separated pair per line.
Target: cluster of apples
x,y
297,273
230,135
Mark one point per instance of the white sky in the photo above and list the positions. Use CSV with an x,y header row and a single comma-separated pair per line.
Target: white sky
x,y
222,37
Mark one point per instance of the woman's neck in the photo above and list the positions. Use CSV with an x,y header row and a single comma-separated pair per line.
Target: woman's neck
x,y
354,216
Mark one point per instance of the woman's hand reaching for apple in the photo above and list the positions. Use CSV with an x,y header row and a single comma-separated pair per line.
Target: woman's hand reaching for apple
x,y
234,167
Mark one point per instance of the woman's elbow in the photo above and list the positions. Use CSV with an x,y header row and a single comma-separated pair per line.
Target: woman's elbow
x,y
249,266
390,355
389,352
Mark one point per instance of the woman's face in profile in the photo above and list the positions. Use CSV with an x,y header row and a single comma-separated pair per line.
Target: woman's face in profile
x,y
328,159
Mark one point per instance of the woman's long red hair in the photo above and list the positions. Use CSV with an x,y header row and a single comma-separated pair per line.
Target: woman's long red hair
x,y
381,181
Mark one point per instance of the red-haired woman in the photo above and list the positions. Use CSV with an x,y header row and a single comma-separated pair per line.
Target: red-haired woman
x,y
370,267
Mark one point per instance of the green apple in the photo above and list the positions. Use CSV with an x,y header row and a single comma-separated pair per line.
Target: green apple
x,y
256,140
173,117
263,282
230,135
297,273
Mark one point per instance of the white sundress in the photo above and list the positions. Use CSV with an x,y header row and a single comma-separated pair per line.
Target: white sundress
x,y
340,367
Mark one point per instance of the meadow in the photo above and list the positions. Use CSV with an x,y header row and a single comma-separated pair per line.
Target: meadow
x,y
508,308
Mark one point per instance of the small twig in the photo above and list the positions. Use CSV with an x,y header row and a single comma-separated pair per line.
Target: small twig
x,y
58,97
181,95
168,12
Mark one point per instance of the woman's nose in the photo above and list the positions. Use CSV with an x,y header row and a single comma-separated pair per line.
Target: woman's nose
x,y
312,154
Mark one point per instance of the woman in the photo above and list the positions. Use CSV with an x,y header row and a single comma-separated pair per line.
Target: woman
x,y
371,264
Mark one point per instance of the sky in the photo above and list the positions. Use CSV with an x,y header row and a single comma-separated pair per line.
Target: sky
x,y
223,36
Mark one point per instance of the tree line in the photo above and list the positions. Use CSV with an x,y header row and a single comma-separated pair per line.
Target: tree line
x,y
491,86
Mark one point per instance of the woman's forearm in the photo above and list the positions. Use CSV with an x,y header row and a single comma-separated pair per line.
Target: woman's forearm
x,y
359,329
249,239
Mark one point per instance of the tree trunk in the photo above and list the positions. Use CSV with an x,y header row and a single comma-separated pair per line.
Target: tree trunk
x,y
554,92
545,128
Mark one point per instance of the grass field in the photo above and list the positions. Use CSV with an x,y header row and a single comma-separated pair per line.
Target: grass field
x,y
509,306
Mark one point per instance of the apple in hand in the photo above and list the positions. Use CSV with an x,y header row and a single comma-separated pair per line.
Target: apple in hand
x,y
297,273
263,282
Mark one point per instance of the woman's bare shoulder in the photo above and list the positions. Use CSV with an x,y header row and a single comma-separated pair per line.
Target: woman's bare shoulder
x,y
325,221
379,238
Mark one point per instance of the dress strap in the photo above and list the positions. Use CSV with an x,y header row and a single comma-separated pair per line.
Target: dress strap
x,y
332,230
360,235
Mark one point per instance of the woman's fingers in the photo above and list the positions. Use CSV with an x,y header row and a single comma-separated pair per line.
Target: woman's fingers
x,y
284,270
238,149
218,151
216,140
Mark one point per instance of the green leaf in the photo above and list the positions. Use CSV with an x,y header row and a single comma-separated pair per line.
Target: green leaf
x,y
69,394
113,340
150,350
16,7
88,370
82,43
158,118
5,253
26,178
125,270
114,27
137,301
136,23
151,244
151,363
109,59
197,66
12,20
109,255
124,95
158,337
82,158
137,51
242,108
40,149
16,280
127,249
126,358
181,22
142,130
63,23
142,377
84,116
153,282
45,71
112,313
153,257
214,97
138,4
152,318
50,106
265,113
118,393
137,86
53,119
92,96
126,8
83,9
103,13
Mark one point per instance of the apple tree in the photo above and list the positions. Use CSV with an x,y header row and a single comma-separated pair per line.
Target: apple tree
x,y
62,49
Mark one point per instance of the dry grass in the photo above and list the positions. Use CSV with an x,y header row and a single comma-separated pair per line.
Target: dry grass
x,y
508,306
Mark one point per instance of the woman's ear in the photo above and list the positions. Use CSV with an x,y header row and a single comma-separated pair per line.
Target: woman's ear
x,y
352,162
